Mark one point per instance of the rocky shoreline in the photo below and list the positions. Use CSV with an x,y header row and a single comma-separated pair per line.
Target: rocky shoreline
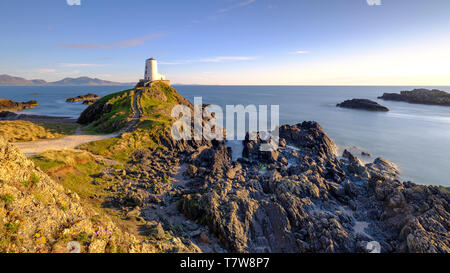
x,y
86,99
300,198
6,115
9,105
363,104
420,96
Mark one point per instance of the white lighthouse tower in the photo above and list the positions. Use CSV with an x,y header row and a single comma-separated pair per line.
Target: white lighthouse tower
x,y
151,75
151,71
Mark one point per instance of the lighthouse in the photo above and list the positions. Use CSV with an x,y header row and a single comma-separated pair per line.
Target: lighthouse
x,y
151,71
151,75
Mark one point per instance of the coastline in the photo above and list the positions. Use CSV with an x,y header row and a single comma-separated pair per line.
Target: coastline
x,y
304,197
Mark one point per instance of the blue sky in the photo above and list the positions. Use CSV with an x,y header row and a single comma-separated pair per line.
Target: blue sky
x,y
317,42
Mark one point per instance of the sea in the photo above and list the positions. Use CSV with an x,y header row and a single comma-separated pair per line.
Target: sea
x,y
415,137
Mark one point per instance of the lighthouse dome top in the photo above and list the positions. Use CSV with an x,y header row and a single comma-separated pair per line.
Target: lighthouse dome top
x,y
151,59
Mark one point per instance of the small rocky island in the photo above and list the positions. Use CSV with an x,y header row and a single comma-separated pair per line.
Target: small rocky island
x,y
420,96
9,105
363,104
86,99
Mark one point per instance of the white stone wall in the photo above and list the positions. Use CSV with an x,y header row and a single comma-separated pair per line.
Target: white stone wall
x,y
151,71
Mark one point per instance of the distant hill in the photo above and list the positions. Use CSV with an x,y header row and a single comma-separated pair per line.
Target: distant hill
x,y
84,81
11,80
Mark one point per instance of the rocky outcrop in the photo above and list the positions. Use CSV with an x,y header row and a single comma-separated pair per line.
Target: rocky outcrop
x,y
9,105
421,213
363,104
420,96
95,112
38,214
308,200
86,98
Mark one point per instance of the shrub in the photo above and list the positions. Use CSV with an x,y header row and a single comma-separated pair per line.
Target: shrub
x,y
12,227
7,198
34,178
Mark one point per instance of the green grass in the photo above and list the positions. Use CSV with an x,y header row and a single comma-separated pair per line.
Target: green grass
x,y
34,179
23,131
154,122
52,159
444,189
74,171
262,167
7,198
11,227
117,118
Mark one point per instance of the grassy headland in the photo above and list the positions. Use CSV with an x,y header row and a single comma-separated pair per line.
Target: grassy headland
x,y
111,113
155,105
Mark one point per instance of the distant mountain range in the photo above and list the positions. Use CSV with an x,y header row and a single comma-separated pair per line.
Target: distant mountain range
x,y
11,80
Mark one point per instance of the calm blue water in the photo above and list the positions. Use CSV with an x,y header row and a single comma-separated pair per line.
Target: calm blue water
x,y
52,99
416,137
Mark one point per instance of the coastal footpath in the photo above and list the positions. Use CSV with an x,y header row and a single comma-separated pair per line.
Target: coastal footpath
x,y
141,191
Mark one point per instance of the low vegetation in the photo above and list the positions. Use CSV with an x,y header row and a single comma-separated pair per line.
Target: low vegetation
x,y
22,131
74,170
156,104
110,114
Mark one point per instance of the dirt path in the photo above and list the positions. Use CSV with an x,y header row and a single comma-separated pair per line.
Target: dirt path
x,y
71,142
136,110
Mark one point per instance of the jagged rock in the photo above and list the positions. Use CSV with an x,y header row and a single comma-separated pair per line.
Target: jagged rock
x,y
12,106
363,104
383,167
253,150
420,96
308,136
355,166
192,170
204,238
86,98
425,231
318,204
158,232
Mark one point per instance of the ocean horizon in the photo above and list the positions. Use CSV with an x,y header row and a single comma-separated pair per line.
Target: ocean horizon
x,y
415,137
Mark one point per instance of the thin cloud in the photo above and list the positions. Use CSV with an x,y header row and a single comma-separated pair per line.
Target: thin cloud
x,y
45,70
171,63
80,65
225,59
137,41
84,46
300,52
238,5
219,59
119,44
